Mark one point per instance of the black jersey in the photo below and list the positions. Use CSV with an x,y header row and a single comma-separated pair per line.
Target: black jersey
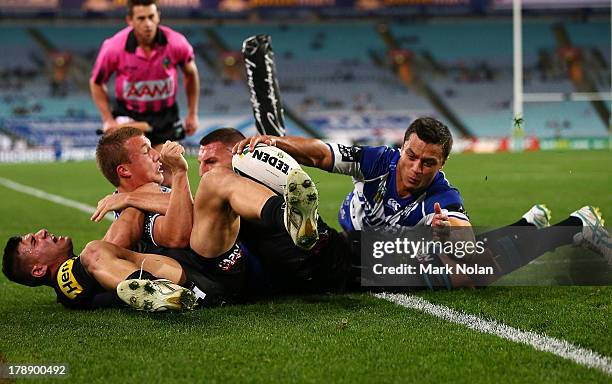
x,y
74,287
149,221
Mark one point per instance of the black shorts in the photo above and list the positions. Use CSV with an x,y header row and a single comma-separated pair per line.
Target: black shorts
x,y
289,269
219,280
166,123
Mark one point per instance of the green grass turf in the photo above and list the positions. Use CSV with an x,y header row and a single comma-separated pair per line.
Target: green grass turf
x,y
339,338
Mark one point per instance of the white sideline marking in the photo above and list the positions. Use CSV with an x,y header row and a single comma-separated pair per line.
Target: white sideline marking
x,y
544,343
51,197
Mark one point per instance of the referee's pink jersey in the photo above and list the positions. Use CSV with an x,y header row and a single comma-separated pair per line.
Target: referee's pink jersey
x,y
143,84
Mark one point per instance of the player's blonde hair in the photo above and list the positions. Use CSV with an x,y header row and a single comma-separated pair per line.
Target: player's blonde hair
x,y
111,152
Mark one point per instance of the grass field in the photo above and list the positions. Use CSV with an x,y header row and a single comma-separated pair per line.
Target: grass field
x,y
332,338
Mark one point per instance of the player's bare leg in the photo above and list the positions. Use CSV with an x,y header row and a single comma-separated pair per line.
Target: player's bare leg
x,y
114,268
110,264
221,199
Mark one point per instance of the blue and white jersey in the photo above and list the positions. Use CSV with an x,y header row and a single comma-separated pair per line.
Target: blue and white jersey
x,y
149,220
374,201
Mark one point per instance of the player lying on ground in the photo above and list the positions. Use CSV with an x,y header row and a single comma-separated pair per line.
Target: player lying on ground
x,y
215,269
402,188
87,281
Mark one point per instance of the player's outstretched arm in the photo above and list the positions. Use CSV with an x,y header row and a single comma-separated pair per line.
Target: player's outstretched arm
x,y
147,198
306,151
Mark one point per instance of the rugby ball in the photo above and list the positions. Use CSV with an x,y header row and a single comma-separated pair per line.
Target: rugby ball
x,y
266,165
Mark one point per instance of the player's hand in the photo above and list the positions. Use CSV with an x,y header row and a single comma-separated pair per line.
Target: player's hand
x,y
253,141
191,124
172,156
114,202
440,218
440,224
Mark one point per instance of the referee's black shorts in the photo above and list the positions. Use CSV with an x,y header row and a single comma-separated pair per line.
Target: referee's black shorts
x,y
166,123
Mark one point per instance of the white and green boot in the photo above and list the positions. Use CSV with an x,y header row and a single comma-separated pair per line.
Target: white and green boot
x,y
301,210
155,295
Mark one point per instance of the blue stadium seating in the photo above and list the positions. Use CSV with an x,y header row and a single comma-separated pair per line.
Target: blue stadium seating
x,y
327,68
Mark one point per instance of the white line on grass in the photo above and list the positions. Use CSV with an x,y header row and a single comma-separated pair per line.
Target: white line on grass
x,y
544,343
50,197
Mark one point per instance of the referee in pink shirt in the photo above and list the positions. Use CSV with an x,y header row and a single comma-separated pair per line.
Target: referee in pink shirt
x,y
144,58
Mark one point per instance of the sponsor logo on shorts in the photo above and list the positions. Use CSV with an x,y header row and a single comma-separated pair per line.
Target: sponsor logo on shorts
x,y
272,160
66,280
227,263
149,90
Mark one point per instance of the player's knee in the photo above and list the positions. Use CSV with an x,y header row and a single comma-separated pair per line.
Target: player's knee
x,y
180,240
91,256
216,176
215,181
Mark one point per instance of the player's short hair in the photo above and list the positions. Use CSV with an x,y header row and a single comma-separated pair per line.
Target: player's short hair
x,y
431,131
132,3
111,152
13,266
227,136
